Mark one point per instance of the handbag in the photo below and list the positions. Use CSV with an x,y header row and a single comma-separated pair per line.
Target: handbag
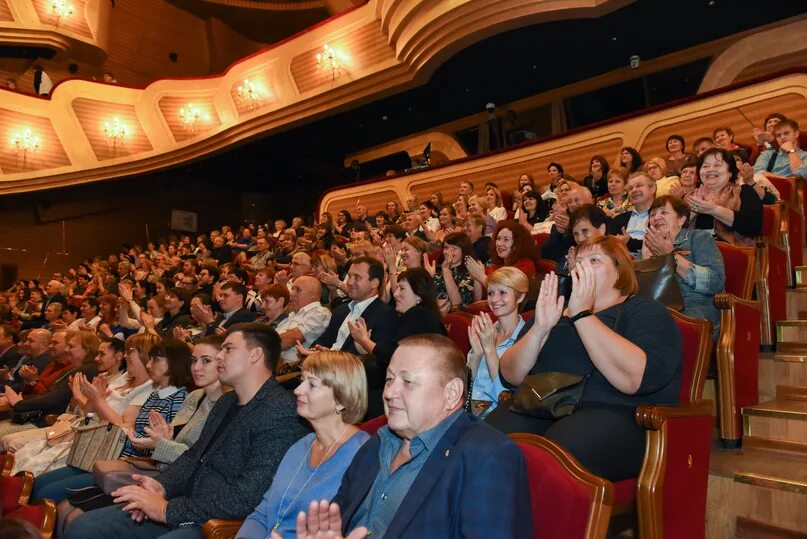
x,y
97,440
61,432
110,475
33,416
656,278
549,395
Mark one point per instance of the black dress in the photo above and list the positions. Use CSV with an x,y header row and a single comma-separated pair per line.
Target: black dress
x,y
602,434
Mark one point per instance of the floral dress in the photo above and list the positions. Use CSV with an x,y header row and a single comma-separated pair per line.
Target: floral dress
x,y
608,204
463,280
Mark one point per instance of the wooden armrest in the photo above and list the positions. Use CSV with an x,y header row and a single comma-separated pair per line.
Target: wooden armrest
x,y
221,528
27,487
50,419
286,377
653,417
8,463
49,521
724,300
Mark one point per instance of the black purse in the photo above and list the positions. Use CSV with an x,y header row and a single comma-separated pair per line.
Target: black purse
x,y
549,395
656,277
553,395
37,417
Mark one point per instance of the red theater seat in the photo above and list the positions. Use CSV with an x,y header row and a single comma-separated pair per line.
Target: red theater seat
x,y
567,501
41,514
457,325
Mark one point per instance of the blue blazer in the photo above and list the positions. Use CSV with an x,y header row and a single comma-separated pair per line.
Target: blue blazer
x,y
474,485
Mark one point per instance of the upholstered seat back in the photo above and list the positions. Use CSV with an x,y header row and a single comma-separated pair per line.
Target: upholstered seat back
x,y
739,263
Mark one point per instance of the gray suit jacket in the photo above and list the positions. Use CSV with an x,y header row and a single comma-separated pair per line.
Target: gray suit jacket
x,y
226,477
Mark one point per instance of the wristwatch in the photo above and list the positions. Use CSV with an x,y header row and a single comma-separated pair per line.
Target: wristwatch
x,y
581,314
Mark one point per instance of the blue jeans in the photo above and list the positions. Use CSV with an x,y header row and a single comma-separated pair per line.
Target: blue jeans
x,y
52,485
112,521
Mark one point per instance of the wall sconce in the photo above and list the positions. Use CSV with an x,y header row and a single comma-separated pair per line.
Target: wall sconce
x,y
192,117
115,131
248,95
60,9
327,62
24,142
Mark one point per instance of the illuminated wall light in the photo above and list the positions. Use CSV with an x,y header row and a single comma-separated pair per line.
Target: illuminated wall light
x,y
248,95
192,117
327,61
115,131
61,9
24,142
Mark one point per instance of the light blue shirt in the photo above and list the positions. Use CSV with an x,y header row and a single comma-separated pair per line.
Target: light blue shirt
x,y
389,489
637,224
485,388
781,167
296,484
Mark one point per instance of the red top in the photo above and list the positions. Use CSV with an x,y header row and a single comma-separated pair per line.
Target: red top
x,y
52,372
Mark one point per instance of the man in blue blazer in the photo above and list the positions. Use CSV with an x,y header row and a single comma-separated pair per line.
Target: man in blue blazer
x,y
434,470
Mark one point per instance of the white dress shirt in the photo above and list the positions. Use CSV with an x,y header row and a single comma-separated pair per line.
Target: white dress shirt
x,y
311,320
356,310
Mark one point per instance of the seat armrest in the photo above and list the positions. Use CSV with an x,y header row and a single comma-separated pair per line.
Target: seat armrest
x,y
653,417
49,520
221,528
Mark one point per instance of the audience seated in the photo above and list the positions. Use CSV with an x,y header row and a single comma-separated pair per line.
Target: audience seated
x,y
436,458
626,347
630,159
454,284
306,321
507,289
560,235
676,145
631,226
788,159
723,204
597,180
699,265
474,227
511,245
332,398
225,473
656,168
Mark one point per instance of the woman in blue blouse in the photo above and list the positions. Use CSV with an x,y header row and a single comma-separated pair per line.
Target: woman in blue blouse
x,y
169,369
507,288
333,398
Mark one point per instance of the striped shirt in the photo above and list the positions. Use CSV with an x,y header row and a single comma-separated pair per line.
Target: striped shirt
x,y
167,402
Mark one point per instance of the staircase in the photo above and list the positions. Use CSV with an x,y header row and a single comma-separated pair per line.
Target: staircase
x,y
760,491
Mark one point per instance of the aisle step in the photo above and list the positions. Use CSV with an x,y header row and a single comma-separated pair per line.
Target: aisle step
x,y
791,336
796,304
781,419
756,484
780,370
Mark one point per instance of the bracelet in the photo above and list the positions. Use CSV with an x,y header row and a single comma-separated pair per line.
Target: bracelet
x,y
581,314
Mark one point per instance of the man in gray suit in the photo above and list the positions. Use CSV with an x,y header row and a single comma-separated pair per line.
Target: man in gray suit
x,y
226,472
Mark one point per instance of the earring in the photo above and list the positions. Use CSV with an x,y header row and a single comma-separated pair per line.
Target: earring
x,y
340,411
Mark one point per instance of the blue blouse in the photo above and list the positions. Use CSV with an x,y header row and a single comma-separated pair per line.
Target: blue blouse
x,y
296,486
486,389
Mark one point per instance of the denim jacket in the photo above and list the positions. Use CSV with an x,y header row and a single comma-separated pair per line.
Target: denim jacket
x,y
706,276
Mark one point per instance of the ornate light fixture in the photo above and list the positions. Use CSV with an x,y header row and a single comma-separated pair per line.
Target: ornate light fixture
x,y
60,9
327,62
192,117
248,95
115,131
25,142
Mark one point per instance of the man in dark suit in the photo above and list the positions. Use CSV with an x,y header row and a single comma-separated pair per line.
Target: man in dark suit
x,y
226,472
231,301
9,351
53,294
364,279
434,470
35,358
560,236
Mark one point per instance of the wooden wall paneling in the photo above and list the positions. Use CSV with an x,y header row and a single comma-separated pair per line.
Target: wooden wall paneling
x,y
50,153
92,115
741,120
5,11
772,65
362,47
138,49
259,78
575,162
375,201
76,23
171,105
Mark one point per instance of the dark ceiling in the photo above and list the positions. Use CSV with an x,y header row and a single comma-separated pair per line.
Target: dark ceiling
x,y
297,165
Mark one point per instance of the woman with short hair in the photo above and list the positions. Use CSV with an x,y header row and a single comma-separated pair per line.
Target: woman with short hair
x,y
332,397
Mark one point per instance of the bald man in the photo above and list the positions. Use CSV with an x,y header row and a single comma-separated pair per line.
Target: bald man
x,y
307,321
35,357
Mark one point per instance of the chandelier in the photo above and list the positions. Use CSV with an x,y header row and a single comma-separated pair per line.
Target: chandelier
x,y
60,9
248,95
25,142
192,117
327,62
115,131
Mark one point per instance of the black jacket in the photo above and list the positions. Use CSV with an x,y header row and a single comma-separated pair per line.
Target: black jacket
x,y
615,226
241,315
225,476
415,321
381,319
56,400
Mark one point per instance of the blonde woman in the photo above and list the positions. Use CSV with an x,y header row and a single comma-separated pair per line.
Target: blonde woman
x,y
332,398
496,209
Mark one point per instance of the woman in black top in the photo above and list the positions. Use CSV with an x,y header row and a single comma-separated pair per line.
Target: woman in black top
x,y
597,179
730,208
629,345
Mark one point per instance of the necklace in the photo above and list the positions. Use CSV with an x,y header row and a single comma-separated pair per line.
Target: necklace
x,y
281,516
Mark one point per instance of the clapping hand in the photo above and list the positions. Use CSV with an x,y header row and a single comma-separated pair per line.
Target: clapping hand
x,y
28,373
202,313
323,521
147,320
584,284
548,307
429,265
12,397
330,278
658,241
359,331
476,269
747,173
144,500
